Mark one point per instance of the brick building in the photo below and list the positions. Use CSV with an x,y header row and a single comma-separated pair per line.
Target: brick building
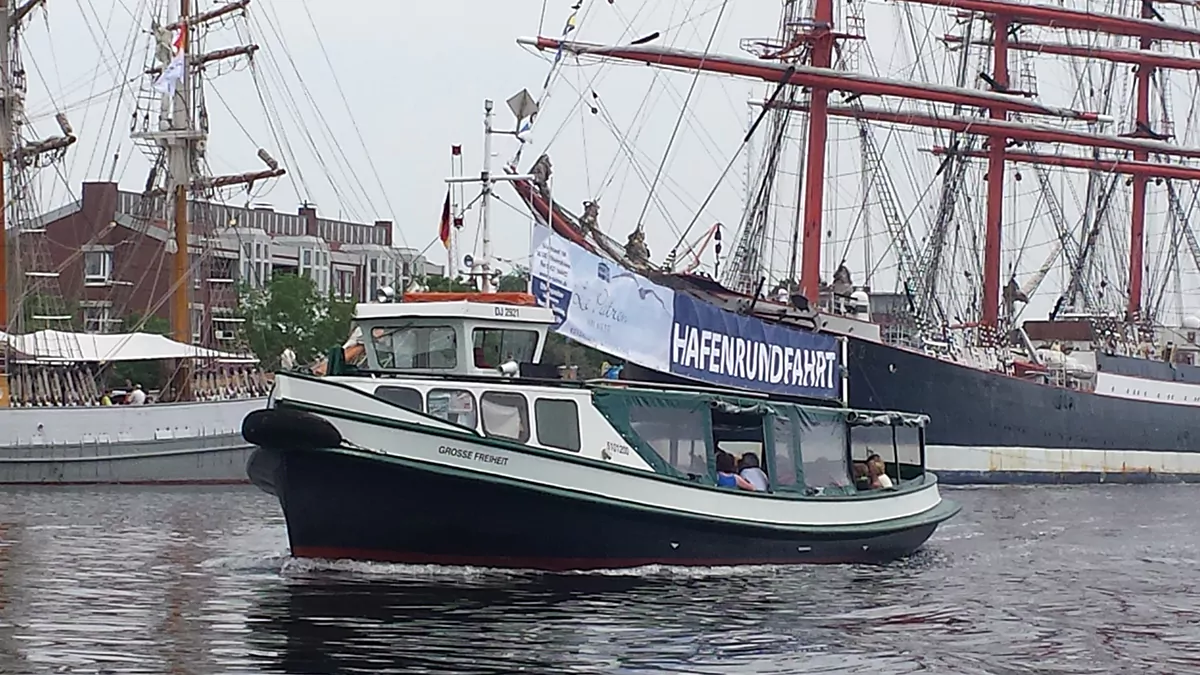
x,y
112,251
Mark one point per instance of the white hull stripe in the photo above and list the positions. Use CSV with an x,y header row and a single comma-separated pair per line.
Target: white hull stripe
x,y
464,453
983,459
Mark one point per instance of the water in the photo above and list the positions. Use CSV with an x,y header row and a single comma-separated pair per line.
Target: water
x,y
1070,580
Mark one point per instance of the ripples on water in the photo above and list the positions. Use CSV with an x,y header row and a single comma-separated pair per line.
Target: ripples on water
x,y
1072,580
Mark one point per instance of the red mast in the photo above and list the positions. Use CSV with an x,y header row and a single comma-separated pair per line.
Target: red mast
x,y
1137,229
822,38
993,234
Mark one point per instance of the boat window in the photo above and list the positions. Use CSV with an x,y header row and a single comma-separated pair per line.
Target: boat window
x,y
408,347
783,473
557,423
823,454
494,346
456,406
678,436
908,452
405,397
866,441
505,415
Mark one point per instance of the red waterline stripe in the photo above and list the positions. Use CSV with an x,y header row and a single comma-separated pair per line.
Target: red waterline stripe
x,y
182,482
550,564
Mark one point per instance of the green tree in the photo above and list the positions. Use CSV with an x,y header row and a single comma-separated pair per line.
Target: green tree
x,y
439,284
290,312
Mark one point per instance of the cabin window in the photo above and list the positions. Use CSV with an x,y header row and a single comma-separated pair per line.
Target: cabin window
x,y
678,436
456,406
908,452
505,415
409,347
405,397
557,423
783,470
495,346
823,453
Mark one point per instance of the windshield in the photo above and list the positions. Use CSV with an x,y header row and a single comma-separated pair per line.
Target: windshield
x,y
494,346
415,347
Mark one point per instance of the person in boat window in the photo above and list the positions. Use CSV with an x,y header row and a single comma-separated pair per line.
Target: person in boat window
x,y
106,397
727,474
137,396
878,474
752,472
862,478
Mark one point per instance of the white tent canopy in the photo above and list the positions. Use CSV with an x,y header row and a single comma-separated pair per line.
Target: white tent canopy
x,y
60,346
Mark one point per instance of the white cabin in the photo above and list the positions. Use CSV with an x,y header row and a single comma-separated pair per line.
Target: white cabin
x,y
458,337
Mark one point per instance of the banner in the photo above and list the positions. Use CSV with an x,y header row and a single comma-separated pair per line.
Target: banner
x,y
731,350
600,304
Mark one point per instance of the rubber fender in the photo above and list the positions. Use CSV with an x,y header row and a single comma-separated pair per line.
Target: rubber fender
x,y
285,429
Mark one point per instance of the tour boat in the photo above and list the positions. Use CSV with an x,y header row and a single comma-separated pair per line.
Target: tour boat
x,y
451,443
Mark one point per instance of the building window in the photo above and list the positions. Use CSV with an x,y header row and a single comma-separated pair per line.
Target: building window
x,y
97,267
557,423
505,415
197,325
97,320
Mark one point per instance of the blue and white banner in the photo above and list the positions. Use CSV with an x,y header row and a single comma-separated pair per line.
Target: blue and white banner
x,y
723,348
604,306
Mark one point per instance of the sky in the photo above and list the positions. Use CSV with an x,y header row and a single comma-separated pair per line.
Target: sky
x,y
361,101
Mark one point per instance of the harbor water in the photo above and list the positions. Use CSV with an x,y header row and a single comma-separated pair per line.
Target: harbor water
x,y
1026,580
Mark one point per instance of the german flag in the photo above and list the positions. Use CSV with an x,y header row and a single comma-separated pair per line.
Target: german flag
x,y
444,229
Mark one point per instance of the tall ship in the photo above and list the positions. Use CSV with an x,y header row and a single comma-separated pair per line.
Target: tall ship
x,y
1088,163
58,421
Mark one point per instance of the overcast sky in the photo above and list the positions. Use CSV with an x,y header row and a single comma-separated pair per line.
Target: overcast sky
x,y
386,87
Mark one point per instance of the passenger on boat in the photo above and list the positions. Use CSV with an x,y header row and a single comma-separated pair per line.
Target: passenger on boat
x,y
878,474
862,478
753,473
137,396
726,473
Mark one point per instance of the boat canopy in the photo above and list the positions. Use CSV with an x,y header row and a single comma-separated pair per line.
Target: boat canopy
x,y
804,448
65,347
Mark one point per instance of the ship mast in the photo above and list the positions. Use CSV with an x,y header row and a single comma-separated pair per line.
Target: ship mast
x,y
999,102
15,157
183,143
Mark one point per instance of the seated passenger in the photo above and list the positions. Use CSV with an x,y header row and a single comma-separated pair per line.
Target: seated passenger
x,y
862,478
726,476
753,473
878,474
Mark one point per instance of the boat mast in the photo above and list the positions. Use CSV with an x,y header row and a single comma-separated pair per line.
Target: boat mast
x,y
179,170
521,108
6,142
820,38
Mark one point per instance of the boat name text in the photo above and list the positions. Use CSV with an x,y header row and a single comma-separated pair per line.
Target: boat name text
x,y
508,311
472,455
744,359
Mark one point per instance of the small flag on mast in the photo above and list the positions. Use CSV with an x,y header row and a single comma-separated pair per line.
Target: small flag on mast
x,y
172,75
444,230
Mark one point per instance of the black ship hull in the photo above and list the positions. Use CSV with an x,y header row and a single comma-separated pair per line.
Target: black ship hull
x,y
991,428
355,507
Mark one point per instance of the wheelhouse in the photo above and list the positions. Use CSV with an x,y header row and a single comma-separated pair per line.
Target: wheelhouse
x,y
452,337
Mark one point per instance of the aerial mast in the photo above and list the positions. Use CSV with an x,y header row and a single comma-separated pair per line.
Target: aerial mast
x,y
522,106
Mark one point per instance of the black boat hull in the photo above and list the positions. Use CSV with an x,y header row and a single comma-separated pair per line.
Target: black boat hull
x,y
340,505
992,428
